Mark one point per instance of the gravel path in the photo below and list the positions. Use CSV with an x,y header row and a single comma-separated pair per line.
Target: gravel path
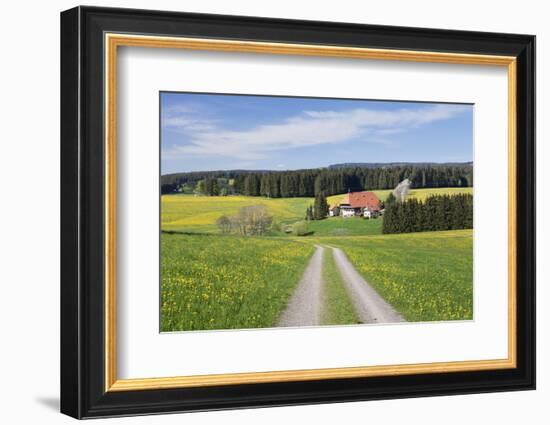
x,y
305,305
370,306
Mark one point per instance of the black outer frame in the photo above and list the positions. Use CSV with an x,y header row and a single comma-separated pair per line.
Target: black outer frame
x,y
82,212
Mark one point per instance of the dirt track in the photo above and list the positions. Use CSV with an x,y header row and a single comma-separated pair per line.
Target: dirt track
x,y
305,305
369,305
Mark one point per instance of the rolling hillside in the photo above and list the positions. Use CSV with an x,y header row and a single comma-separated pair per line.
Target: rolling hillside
x,y
419,194
198,214
189,213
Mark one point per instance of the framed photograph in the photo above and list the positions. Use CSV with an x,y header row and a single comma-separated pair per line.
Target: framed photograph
x,y
261,212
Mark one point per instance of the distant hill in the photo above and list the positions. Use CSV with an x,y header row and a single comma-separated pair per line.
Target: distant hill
x,y
398,164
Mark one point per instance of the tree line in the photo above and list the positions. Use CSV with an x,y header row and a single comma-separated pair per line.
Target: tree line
x,y
438,212
308,183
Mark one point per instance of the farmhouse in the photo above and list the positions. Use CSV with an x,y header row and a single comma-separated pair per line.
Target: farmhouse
x,y
364,204
347,210
334,210
370,214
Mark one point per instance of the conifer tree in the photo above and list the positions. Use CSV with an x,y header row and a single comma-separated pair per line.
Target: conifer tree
x,y
264,185
320,208
274,188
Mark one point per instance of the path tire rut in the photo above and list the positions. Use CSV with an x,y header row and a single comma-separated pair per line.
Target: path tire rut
x,y
305,305
370,306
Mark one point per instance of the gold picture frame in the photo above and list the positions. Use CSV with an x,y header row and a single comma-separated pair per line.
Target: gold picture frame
x,y
114,41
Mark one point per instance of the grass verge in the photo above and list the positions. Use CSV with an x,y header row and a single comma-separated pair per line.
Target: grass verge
x,y
338,309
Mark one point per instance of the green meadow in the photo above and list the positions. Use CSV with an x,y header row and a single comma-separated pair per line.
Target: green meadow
x,y
227,282
215,281
198,214
425,276
348,226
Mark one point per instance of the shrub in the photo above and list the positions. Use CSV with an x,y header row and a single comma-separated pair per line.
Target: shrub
x,y
301,228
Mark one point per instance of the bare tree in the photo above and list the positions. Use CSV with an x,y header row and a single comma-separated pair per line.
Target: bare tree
x,y
251,220
236,225
224,223
254,220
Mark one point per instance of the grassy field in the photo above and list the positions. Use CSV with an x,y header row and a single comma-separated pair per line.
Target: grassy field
x,y
213,281
227,282
191,213
198,214
425,276
420,194
348,226
338,307
230,282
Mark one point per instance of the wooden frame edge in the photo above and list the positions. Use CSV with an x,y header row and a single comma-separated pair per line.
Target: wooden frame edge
x,y
110,213
114,40
512,212
306,375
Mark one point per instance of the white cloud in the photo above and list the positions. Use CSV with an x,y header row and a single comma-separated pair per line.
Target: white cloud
x,y
206,138
186,118
389,131
185,125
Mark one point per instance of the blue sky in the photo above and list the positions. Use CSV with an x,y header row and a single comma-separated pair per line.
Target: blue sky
x,y
201,132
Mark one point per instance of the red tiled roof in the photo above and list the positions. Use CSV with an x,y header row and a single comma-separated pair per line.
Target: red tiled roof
x,y
362,200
